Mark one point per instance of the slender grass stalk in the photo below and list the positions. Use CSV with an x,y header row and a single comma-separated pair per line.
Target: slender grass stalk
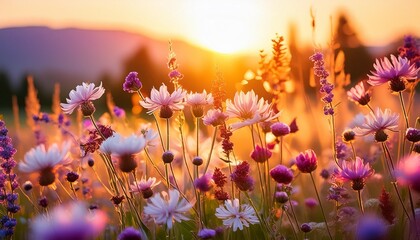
x,y
265,228
294,216
211,149
184,154
291,223
359,198
320,204
403,110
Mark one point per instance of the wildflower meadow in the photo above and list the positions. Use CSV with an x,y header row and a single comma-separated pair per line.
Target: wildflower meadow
x,y
332,160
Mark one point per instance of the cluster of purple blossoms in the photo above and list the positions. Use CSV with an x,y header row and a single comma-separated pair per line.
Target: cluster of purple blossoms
x,y
8,197
132,83
326,87
242,178
410,50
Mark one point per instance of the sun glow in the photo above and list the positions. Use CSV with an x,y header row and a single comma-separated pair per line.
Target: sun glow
x,y
226,27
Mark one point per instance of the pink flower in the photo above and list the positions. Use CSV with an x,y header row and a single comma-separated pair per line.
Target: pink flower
x,y
408,171
394,72
164,102
376,123
198,101
215,117
354,171
82,96
260,154
307,161
359,94
144,187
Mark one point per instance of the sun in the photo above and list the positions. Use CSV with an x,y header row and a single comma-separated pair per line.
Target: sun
x,y
225,26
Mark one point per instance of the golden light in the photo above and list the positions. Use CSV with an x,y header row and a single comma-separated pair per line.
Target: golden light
x,y
225,26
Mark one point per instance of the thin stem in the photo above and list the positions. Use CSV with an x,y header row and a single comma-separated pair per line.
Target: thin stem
x,y
156,121
294,215
198,137
263,223
371,109
167,175
400,199
334,141
96,126
354,151
359,197
291,224
403,109
281,150
413,211
185,158
211,149
167,134
320,204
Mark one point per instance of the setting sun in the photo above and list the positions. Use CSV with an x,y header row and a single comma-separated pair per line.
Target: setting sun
x,y
225,27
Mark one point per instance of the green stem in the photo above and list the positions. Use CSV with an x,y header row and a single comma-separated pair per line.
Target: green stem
x,y
320,204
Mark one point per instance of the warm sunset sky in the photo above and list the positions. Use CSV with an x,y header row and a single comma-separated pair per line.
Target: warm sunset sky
x,y
221,25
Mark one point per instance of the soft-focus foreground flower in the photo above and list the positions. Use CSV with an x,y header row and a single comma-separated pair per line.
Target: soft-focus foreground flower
x,y
82,97
132,83
370,227
197,102
144,187
307,161
355,171
395,72
165,209
206,233
45,162
130,233
376,123
249,109
359,94
204,183
69,222
125,149
408,171
164,102
236,215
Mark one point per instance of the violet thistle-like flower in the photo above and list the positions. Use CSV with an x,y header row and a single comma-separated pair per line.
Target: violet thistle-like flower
x,y
355,171
410,50
206,233
260,154
377,122
241,177
132,83
281,174
395,72
307,161
8,178
326,87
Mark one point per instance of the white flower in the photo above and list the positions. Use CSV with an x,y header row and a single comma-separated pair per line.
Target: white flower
x,y
249,109
119,145
166,209
377,121
149,134
162,99
199,99
235,215
71,221
39,159
83,93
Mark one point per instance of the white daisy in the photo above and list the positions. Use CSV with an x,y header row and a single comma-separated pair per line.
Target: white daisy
x,y
235,215
164,102
165,209
45,162
83,94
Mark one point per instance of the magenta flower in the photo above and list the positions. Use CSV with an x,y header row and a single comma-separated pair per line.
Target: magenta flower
x,y
307,161
359,94
281,174
132,83
408,171
280,129
241,177
394,72
260,154
204,183
354,171
376,123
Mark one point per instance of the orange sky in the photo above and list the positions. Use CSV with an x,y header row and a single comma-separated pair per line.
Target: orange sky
x,y
221,25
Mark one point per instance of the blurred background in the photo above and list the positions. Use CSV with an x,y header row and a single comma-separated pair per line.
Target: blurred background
x,y
69,42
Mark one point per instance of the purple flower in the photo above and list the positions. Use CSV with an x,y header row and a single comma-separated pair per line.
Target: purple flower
x,y
241,177
412,134
260,154
410,50
132,83
354,171
204,183
206,233
119,112
395,72
370,227
326,87
281,174
311,202
280,129
359,94
130,233
408,171
307,161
